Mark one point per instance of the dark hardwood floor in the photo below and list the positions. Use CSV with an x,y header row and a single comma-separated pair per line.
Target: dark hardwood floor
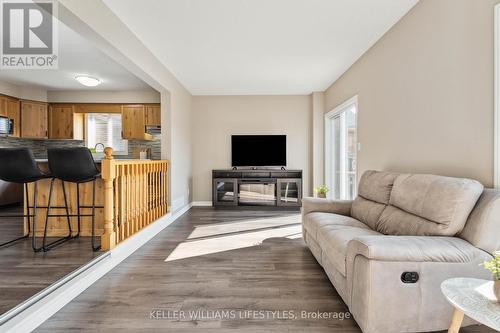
x,y
242,271
24,273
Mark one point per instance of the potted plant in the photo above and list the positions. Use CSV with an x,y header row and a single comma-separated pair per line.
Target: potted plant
x,y
494,267
321,191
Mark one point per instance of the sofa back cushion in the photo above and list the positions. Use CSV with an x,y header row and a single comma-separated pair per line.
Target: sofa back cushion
x,y
374,192
428,205
483,226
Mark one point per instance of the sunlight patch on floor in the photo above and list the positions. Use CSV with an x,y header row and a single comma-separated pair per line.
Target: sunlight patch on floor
x,y
202,247
246,225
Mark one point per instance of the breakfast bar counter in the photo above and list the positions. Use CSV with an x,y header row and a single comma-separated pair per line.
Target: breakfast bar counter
x,y
129,195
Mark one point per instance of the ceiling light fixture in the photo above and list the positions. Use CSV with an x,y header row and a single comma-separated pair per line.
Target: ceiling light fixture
x,y
88,80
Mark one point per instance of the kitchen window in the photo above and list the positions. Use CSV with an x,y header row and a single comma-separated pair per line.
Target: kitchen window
x,y
105,129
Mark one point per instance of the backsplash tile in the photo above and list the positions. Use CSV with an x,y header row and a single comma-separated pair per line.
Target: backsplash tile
x,y
39,147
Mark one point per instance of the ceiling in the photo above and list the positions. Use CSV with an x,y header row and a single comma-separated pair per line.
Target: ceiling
x,y
77,56
221,47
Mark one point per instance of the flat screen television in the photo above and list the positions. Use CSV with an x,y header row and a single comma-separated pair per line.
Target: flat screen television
x,y
258,150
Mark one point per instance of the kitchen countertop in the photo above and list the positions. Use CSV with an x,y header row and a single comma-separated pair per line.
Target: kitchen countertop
x,y
44,160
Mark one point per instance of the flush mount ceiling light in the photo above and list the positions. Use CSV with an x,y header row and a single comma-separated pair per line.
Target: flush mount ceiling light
x,y
88,80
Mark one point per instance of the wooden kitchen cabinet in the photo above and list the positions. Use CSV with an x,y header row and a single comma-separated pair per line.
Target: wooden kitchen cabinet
x,y
14,113
64,123
153,115
133,122
3,106
34,120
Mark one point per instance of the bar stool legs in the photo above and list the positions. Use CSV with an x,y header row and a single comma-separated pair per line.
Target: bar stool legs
x,y
79,215
28,216
51,245
33,238
94,247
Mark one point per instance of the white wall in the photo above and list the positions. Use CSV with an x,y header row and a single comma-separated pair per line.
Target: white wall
x,y
96,22
23,92
99,96
216,118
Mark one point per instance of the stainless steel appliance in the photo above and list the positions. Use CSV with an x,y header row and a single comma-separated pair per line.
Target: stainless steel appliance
x,y
6,126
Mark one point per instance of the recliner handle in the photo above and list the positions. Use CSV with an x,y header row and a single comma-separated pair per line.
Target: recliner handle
x,y
409,277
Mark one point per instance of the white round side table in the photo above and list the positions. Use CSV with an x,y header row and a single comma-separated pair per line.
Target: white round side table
x,y
473,298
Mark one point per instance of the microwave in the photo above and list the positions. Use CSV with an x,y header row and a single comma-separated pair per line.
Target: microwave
x,y
6,126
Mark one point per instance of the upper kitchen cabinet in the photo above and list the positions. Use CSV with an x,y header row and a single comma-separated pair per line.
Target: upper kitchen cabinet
x,y
65,123
34,116
14,113
9,107
153,115
134,122
3,106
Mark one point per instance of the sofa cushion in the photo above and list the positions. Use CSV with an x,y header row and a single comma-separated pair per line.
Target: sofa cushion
x,y
429,205
376,186
333,241
313,222
374,192
367,211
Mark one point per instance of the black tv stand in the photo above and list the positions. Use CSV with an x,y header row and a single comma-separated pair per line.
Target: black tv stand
x,y
257,187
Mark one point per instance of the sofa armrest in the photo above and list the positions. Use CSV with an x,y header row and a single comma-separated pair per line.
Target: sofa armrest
x,y
414,249
341,207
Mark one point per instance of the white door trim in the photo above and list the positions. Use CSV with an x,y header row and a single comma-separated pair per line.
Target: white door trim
x,y
496,144
328,137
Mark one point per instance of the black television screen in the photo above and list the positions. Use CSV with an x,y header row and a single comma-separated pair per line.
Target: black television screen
x,y
258,150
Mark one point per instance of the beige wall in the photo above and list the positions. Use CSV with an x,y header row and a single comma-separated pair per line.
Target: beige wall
x,y
100,96
318,141
216,118
426,92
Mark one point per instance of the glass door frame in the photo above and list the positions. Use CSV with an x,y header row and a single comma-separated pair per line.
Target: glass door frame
x,y
298,182
216,200
329,158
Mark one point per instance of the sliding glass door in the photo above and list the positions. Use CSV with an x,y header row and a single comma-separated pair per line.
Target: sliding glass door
x,y
341,149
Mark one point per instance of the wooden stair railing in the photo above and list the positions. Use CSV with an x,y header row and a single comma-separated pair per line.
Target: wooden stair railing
x,y
135,195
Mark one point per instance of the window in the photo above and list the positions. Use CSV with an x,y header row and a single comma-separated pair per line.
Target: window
x,y
106,128
341,150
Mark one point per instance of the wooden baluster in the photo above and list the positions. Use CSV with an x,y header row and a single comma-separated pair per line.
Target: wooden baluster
x,y
163,207
115,210
141,195
144,190
167,184
154,192
108,175
157,191
150,194
132,197
137,198
129,195
122,204
135,202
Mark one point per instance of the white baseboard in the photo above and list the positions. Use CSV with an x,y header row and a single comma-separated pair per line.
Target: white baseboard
x,y
202,203
33,316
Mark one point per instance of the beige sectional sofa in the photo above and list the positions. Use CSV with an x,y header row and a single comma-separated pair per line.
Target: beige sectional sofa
x,y
402,224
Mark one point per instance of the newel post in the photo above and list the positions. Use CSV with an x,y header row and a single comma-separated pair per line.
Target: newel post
x,y
108,239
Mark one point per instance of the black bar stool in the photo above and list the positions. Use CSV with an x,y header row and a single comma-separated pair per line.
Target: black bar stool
x,y
18,165
72,165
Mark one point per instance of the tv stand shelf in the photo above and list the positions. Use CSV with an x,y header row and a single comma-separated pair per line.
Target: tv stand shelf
x,y
257,187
